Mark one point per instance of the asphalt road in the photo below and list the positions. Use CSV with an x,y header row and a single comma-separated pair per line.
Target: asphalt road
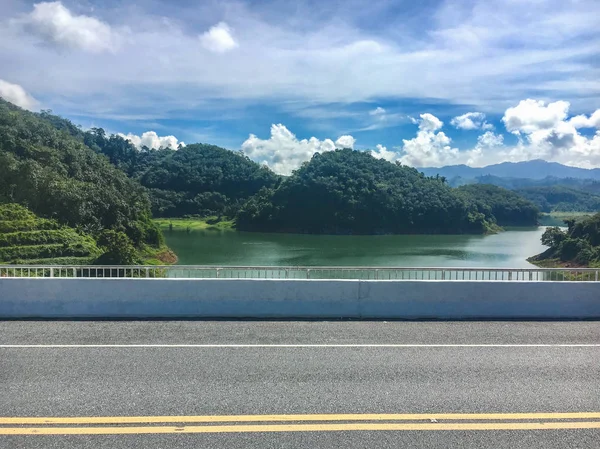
x,y
200,370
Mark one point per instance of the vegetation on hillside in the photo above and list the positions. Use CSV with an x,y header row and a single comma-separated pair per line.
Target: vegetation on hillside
x,y
549,194
195,224
46,167
579,245
506,207
197,179
25,238
561,199
351,192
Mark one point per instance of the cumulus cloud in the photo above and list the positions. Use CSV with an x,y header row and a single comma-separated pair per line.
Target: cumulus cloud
x,y
471,120
152,140
345,142
382,152
54,23
582,121
17,95
283,152
429,148
218,39
429,122
530,116
545,132
490,140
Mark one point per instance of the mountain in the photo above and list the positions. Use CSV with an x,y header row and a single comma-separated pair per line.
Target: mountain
x,y
536,169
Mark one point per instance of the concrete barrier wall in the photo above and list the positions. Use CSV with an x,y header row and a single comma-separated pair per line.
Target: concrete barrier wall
x,y
241,298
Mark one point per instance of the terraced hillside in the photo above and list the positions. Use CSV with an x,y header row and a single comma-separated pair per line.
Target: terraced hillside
x,y
28,239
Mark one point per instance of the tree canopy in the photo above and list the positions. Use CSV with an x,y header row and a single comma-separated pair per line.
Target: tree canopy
x,y
579,245
561,198
508,208
197,179
45,166
351,192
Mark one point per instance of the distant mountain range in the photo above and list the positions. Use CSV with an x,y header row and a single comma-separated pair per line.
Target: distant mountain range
x,y
536,169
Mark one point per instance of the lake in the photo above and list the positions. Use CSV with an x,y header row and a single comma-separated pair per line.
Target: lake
x,y
506,249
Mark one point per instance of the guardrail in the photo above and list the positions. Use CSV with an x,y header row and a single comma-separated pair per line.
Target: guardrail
x,y
356,273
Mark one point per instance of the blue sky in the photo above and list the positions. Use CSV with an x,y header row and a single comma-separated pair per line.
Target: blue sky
x,y
427,83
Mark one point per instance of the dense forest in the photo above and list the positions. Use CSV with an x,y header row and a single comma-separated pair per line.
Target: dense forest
x,y
196,179
549,194
507,207
45,167
561,198
579,245
350,192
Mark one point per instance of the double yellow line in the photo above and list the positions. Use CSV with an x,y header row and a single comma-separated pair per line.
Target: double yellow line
x,y
107,425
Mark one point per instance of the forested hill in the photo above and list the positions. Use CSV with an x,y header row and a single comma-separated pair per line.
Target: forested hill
x,y
507,207
196,179
45,166
561,198
346,191
578,246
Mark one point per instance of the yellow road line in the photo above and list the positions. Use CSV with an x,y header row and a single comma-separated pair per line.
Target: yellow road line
x,y
294,428
286,418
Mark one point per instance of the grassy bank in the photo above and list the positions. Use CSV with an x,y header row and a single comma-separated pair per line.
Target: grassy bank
x,y
558,218
195,224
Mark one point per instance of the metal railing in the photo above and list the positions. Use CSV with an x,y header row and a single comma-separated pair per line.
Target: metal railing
x,y
361,273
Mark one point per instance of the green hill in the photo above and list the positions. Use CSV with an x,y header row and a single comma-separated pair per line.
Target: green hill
x,y
28,239
507,207
560,198
46,167
578,246
197,179
351,192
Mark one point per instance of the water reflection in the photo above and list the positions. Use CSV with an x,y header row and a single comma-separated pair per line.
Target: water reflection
x,y
507,249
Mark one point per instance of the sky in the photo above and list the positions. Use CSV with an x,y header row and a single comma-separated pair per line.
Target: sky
x,y
425,83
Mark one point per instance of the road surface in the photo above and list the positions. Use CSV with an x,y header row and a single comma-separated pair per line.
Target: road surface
x,y
219,384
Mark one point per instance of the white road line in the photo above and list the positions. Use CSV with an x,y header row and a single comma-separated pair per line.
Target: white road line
x,y
208,346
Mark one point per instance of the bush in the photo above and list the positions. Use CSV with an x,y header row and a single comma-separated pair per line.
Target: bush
x,y
118,249
570,249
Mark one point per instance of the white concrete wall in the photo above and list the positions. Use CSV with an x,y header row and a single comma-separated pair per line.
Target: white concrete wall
x,y
262,298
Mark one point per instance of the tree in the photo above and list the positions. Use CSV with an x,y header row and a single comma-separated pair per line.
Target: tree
x,y
118,249
553,237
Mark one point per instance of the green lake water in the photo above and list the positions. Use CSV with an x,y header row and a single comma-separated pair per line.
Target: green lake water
x,y
506,249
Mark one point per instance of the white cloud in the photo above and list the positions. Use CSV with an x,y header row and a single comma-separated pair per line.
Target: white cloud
x,y
283,152
582,121
345,142
377,111
545,132
17,95
218,39
541,136
53,22
490,140
471,120
429,122
152,140
382,152
531,115
429,148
